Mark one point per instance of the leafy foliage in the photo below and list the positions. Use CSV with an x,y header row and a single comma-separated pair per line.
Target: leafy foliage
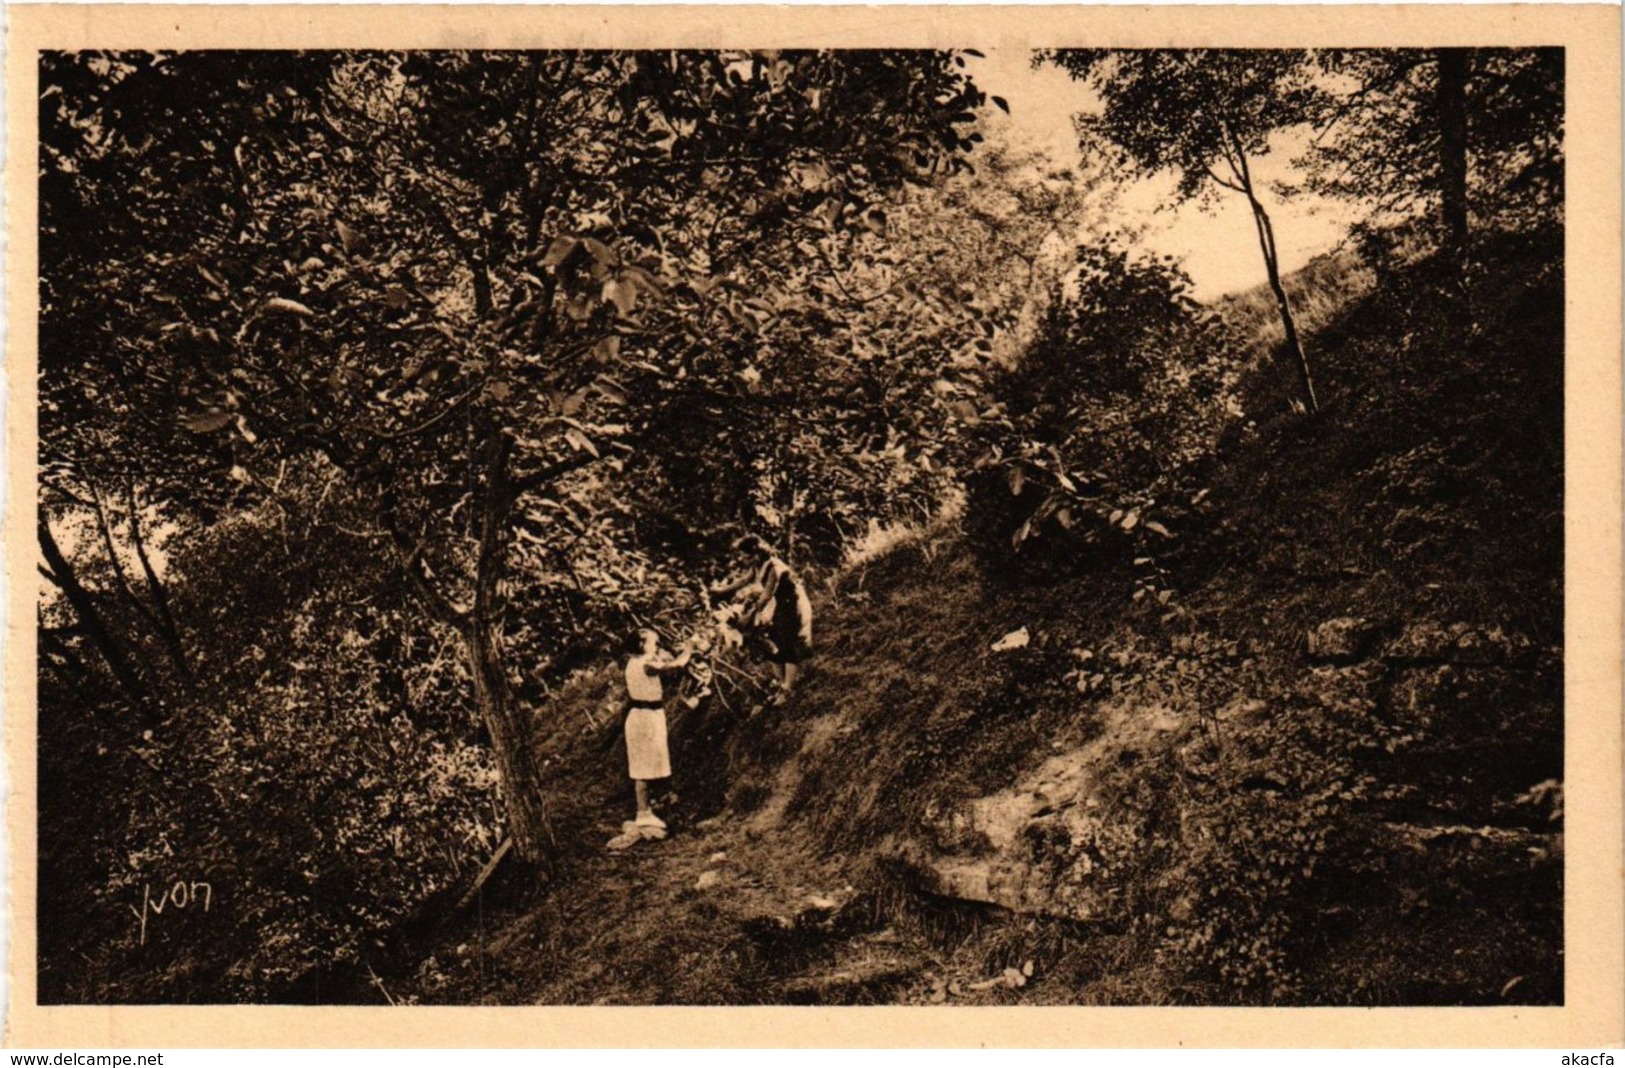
x,y
1204,115
1109,416
510,330
1196,113
474,284
381,392
1385,143
328,788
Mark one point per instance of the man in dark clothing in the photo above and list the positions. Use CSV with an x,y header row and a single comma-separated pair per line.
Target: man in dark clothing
x,y
776,603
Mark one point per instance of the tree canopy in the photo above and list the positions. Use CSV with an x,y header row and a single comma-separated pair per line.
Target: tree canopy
x,y
1202,114
482,287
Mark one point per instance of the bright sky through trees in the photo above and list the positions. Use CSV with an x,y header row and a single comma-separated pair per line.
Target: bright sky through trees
x,y
1213,242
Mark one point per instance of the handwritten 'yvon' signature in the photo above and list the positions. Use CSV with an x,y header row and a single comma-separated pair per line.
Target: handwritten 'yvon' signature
x,y
182,895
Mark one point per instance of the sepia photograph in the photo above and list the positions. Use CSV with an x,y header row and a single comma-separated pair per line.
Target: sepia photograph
x,y
832,526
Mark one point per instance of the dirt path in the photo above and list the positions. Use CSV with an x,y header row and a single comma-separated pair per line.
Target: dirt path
x,y
729,911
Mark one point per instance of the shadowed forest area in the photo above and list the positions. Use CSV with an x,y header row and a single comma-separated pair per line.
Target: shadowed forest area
x,y
1167,651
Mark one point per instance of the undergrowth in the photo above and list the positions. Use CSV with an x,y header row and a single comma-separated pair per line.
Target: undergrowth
x,y
1270,869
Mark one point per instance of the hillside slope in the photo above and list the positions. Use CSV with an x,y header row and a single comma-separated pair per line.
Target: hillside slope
x,y
1310,752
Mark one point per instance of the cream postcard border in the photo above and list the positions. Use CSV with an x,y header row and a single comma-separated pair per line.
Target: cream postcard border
x,y
1594,1010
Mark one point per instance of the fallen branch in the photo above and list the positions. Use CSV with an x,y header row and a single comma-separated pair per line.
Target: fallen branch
x,y
379,983
485,873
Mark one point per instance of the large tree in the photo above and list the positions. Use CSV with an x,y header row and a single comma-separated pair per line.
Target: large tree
x,y
1458,136
461,280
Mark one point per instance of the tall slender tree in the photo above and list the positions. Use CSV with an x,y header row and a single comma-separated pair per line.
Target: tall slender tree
x,y
1205,115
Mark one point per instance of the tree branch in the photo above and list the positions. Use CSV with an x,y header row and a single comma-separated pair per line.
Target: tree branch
x,y
104,527
1226,183
84,607
439,606
537,479
160,598
432,421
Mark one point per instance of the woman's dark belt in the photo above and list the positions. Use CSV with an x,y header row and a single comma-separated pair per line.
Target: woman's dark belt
x,y
650,706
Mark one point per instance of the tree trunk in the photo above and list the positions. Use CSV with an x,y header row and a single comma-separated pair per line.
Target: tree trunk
x,y
482,285
160,597
161,624
1294,344
787,488
1237,156
506,722
84,606
104,526
1452,118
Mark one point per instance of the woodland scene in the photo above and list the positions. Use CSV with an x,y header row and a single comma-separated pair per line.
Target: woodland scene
x,y
1027,607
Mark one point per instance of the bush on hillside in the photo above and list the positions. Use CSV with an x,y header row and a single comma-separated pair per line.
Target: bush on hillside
x,y
1337,831
325,784
1120,396
1343,807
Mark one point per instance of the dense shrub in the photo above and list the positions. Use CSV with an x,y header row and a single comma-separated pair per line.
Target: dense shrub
x,y
324,781
1106,415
